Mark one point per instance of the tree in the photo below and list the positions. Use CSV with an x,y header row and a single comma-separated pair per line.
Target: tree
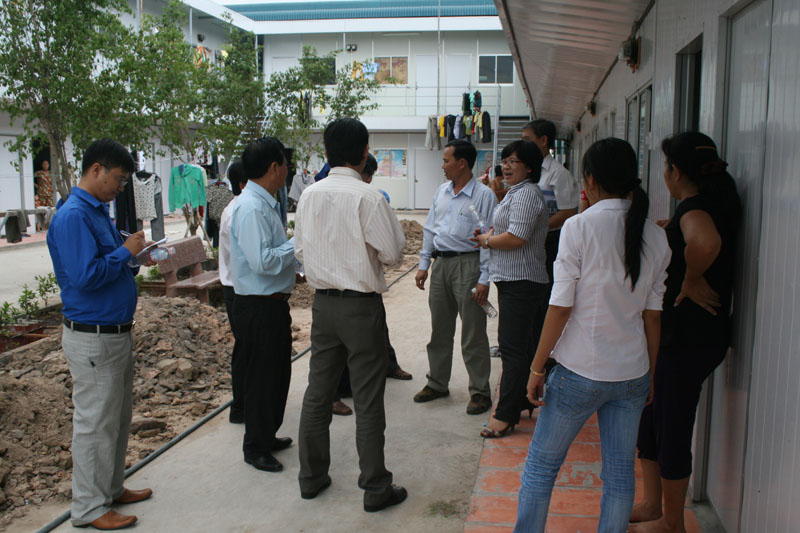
x,y
292,95
235,106
63,66
170,87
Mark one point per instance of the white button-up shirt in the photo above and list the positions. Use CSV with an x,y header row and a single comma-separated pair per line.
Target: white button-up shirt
x,y
225,244
604,336
560,189
345,232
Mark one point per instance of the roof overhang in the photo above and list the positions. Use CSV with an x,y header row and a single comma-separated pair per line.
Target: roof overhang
x,y
563,49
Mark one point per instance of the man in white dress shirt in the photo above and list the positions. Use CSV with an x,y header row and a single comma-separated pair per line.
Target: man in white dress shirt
x,y
345,233
560,189
235,176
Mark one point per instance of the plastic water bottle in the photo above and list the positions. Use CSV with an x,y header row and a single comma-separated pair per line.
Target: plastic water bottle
x,y
491,312
298,268
477,216
154,255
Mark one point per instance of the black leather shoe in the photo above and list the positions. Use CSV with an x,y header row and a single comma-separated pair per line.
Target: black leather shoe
x,y
236,417
399,494
264,462
280,443
478,404
313,494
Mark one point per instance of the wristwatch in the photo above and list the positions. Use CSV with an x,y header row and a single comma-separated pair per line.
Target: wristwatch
x,y
486,242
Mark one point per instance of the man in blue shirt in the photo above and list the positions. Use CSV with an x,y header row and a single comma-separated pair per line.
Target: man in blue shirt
x,y
262,267
457,270
99,294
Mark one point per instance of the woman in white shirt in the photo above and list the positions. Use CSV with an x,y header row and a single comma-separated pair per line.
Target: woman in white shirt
x,y
603,328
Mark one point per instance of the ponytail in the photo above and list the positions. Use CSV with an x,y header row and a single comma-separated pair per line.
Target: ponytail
x,y
634,230
613,164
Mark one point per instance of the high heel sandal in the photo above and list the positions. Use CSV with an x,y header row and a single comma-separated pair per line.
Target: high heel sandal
x,y
489,433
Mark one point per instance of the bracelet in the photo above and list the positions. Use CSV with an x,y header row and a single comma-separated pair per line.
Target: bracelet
x,y
487,242
535,373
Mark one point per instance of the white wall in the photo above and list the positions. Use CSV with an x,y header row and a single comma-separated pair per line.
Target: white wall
x,y
753,474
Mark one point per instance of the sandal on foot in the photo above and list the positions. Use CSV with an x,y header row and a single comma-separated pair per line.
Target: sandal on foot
x,y
489,433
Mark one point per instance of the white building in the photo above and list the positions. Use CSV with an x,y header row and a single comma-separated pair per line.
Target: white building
x,y
433,60
732,70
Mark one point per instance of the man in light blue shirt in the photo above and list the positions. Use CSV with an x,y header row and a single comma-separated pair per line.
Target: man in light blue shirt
x,y
263,273
458,269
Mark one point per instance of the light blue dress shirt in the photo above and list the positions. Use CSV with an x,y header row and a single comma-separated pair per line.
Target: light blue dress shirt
x,y
450,223
262,259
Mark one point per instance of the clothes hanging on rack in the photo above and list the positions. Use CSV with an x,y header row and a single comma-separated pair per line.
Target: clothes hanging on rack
x,y
466,103
467,126
441,126
476,100
218,196
432,139
157,220
458,127
144,194
486,121
451,123
187,185
125,210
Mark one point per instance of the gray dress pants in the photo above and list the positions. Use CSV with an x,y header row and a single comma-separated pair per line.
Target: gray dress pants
x,y
101,366
352,331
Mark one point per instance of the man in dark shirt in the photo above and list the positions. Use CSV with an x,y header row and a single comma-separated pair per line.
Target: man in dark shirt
x,y
99,294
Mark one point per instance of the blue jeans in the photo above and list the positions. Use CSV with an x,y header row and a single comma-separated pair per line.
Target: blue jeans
x,y
570,401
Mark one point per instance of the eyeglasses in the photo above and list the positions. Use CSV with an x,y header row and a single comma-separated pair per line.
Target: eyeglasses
x,y
121,180
510,162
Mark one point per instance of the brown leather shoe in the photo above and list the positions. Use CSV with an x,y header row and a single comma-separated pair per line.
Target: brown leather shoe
x,y
111,520
478,404
133,496
427,394
399,373
342,409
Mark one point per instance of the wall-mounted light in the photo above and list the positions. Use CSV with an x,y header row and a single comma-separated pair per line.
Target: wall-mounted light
x,y
629,51
578,126
351,47
200,37
591,107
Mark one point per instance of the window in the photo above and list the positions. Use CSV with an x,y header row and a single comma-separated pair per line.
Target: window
x,y
392,69
495,69
638,131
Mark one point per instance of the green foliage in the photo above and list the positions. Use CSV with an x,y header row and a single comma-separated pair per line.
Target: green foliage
x,y
234,110
8,315
138,278
154,274
64,70
28,303
46,285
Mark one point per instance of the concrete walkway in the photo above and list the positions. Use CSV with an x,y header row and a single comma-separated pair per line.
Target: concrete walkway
x,y
433,449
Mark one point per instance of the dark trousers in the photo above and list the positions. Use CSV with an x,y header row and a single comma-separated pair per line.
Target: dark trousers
x,y
237,373
344,383
551,251
346,331
264,331
667,424
523,305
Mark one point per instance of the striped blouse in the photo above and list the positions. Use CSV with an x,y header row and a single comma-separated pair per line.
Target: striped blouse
x,y
522,213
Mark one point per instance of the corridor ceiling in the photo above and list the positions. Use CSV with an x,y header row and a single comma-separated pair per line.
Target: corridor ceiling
x,y
563,49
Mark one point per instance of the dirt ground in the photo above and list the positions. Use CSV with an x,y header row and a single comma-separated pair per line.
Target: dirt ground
x,y
182,350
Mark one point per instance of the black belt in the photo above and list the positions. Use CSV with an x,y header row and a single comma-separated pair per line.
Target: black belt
x,y
89,328
347,293
440,253
274,296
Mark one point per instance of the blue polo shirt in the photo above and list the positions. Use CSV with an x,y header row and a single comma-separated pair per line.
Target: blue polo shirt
x,y
91,265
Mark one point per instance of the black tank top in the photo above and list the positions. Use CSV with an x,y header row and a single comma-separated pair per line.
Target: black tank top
x,y
690,323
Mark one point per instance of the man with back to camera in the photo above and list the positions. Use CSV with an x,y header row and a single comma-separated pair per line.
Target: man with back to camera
x,y
348,325
560,189
99,295
457,268
263,272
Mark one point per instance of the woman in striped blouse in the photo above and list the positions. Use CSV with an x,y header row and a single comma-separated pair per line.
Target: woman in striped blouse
x,y
517,267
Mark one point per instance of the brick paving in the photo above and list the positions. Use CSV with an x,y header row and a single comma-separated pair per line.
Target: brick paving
x,y
575,505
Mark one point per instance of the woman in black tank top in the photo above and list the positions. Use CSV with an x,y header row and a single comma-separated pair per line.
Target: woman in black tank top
x,y
695,327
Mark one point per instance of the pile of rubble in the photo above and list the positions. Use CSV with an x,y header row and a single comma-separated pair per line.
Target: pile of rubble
x,y
182,356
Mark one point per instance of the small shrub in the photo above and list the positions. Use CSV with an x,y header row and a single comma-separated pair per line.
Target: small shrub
x,y
27,302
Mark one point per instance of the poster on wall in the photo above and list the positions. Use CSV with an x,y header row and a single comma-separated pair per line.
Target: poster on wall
x,y
484,162
392,163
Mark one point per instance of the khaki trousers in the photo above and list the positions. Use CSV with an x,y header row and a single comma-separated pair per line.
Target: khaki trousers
x,y
451,280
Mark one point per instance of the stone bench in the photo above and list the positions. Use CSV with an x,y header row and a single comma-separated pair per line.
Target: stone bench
x,y
188,252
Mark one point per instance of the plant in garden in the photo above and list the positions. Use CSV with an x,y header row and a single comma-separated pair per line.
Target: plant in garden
x,y
27,302
46,285
8,315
